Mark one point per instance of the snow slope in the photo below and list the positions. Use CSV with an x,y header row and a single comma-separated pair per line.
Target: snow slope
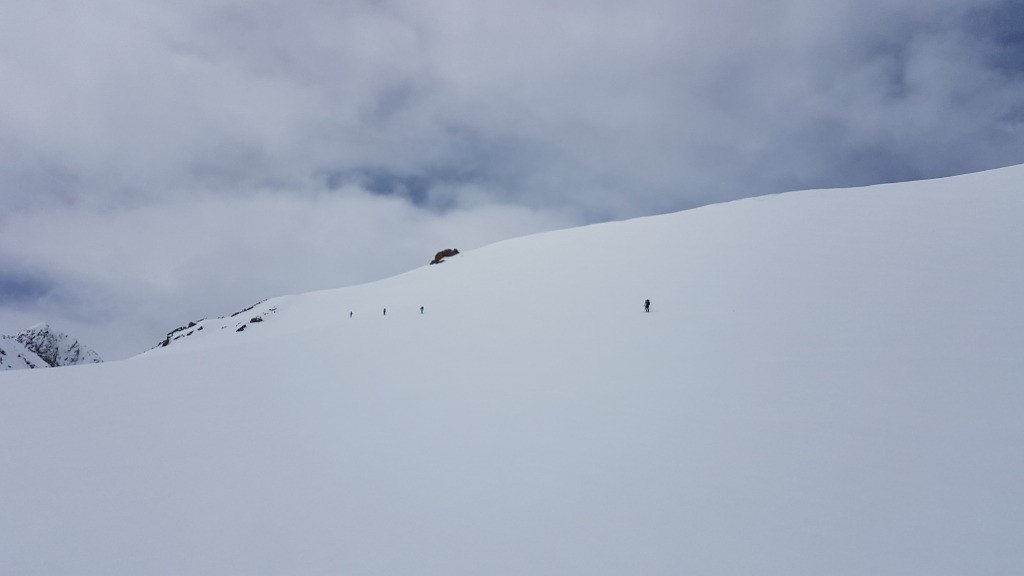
x,y
829,382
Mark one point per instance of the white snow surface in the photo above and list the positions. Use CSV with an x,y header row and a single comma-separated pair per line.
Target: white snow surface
x,y
828,382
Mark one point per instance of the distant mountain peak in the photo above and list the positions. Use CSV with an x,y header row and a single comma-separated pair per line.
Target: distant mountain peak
x,y
40,346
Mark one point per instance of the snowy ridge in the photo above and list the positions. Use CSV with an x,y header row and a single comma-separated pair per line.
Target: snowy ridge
x,y
827,382
238,322
42,347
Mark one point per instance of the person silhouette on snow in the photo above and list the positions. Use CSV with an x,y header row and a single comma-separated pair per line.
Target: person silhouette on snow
x,y
647,305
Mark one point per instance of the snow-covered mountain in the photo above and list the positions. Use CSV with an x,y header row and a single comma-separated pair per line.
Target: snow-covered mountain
x,y
42,347
828,382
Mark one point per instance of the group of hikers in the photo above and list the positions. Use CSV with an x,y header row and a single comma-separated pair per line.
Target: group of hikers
x,y
385,312
647,308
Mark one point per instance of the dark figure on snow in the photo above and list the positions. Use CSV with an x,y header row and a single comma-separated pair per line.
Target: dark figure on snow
x,y
350,314
421,309
647,305
385,312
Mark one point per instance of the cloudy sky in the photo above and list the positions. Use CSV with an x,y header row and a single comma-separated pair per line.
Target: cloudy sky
x,y
161,162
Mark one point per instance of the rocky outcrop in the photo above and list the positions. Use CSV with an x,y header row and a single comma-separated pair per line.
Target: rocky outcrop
x,y
14,355
440,256
221,323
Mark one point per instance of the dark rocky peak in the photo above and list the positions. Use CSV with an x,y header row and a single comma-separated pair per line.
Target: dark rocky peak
x,y
56,348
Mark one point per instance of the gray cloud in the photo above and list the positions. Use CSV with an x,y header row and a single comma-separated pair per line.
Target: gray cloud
x,y
20,287
169,141
607,107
